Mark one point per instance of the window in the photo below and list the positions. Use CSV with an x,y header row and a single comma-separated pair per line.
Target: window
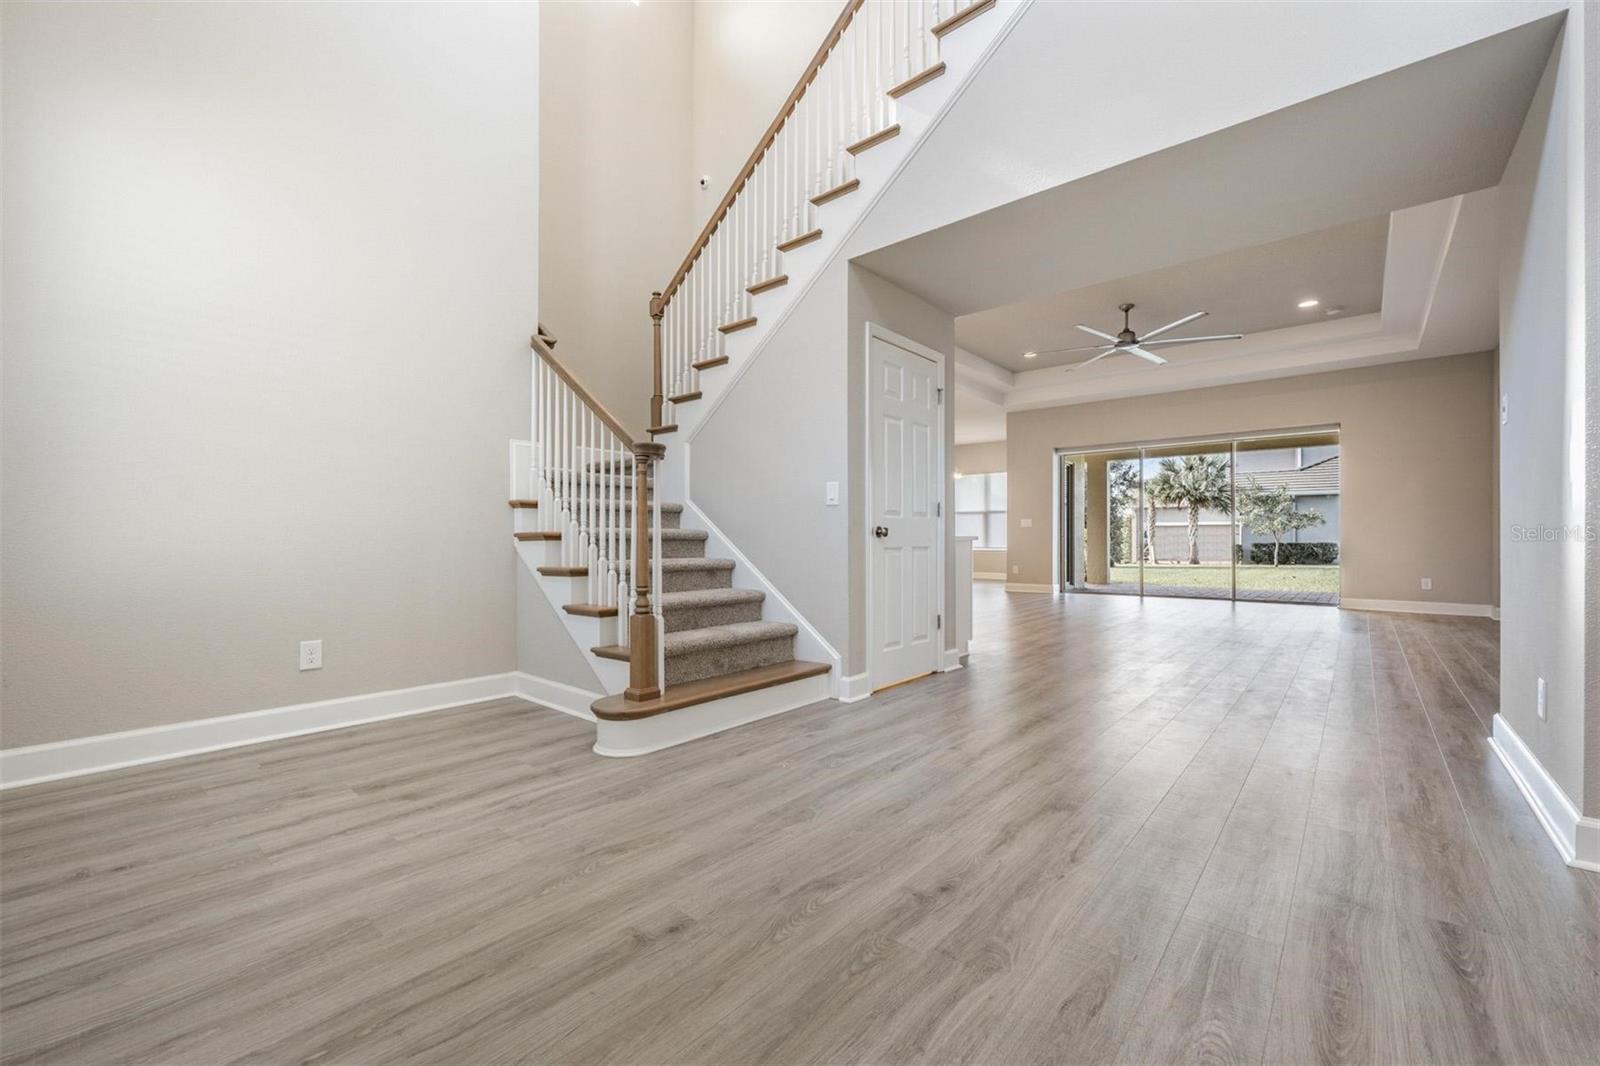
x,y
981,509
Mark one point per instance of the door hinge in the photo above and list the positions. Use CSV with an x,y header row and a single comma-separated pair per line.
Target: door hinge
x,y
938,621
940,391
938,509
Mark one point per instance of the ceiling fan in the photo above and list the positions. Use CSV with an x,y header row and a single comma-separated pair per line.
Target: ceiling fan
x,y
1129,343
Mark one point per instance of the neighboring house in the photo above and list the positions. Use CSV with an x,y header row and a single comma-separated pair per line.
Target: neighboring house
x,y
1310,474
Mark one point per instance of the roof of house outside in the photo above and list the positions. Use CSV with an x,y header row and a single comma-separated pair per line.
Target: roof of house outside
x,y
1318,479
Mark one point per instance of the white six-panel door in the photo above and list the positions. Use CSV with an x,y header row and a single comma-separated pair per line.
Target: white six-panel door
x,y
904,426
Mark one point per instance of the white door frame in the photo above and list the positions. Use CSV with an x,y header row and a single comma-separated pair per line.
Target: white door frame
x,y
883,333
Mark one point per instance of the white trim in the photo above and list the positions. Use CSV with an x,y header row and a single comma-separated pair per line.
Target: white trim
x,y
1577,838
938,471
988,577
135,747
557,695
953,659
853,689
1018,586
644,735
1470,610
1494,612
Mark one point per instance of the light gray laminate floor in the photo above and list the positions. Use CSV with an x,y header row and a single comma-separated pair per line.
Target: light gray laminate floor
x,y
1130,832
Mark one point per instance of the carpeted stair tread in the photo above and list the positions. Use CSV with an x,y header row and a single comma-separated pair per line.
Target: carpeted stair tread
x,y
697,563
710,598
694,641
725,638
683,534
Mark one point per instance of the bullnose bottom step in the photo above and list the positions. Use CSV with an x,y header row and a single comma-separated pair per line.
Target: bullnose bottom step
x,y
619,708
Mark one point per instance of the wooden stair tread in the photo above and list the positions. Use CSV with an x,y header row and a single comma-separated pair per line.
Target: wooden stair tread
x,y
875,139
591,610
961,18
685,397
541,534
916,81
734,327
619,708
524,504
707,364
771,283
837,191
564,571
795,242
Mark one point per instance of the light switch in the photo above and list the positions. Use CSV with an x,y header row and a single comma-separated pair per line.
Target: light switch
x,y
1027,523
832,489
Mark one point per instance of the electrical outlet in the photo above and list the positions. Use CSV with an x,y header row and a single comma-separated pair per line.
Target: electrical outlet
x,y
1541,700
1427,584
311,655
830,493
1016,569
1027,523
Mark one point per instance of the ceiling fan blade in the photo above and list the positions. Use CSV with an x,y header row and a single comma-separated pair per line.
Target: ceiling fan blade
x,y
1196,340
1094,359
1085,348
1173,325
1142,354
1097,333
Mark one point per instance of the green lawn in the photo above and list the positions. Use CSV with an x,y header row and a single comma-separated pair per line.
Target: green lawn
x,y
1216,576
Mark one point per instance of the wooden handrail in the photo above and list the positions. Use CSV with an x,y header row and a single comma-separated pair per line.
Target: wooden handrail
x,y
839,26
610,420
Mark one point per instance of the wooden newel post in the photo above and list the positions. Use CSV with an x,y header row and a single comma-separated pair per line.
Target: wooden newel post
x,y
644,675
657,310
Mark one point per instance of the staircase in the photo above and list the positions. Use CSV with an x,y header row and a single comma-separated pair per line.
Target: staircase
x,y
666,626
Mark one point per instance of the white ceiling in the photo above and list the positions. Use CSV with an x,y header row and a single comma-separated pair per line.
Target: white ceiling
x,y
1385,187
1247,291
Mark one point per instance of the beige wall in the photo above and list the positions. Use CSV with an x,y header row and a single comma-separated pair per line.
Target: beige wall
x,y
748,54
1417,465
269,273
616,212
1541,470
988,457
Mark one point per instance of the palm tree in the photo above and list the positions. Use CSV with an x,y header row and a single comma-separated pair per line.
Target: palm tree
x,y
1198,482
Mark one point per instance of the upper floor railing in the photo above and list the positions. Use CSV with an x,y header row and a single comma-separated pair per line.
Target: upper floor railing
x,y
844,102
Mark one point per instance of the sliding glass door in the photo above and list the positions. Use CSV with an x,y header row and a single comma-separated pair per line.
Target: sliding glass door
x,y
1250,518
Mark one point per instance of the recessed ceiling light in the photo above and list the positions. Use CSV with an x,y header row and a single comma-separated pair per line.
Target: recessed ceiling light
x,y
1303,304
1030,355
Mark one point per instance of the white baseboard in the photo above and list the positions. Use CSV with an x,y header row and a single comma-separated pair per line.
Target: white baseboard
x,y
954,659
568,699
114,751
1494,612
640,737
988,577
1577,838
1017,586
1471,610
852,689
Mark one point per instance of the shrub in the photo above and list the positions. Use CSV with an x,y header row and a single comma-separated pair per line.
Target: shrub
x,y
1306,553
